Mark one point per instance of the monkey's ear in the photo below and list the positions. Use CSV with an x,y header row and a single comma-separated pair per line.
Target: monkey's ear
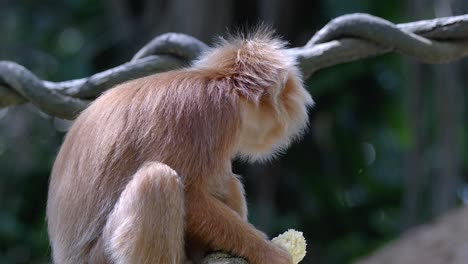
x,y
250,91
253,87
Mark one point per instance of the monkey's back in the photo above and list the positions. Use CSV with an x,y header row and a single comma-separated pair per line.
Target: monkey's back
x,y
149,119
89,173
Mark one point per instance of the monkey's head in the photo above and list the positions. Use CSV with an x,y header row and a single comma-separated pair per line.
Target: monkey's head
x,y
268,86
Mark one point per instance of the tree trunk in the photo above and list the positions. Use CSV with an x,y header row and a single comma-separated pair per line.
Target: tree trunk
x,y
449,127
416,178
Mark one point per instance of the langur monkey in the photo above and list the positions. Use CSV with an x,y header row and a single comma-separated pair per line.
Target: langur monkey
x,y
144,174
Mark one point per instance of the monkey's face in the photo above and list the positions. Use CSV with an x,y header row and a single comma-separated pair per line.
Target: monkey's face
x,y
277,119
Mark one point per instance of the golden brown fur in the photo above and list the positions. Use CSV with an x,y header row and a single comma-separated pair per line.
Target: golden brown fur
x,y
144,175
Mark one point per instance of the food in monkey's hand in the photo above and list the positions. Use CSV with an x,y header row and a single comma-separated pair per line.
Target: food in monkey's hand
x,y
294,242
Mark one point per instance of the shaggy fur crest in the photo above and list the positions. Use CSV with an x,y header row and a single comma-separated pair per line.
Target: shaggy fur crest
x,y
251,63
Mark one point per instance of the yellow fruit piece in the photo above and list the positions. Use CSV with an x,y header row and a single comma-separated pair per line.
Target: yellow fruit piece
x,y
294,242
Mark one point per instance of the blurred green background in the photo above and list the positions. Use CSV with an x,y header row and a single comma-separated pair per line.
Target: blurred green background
x,y
387,144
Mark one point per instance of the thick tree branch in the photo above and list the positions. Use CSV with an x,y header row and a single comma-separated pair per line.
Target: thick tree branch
x,y
176,44
344,39
93,86
357,36
30,88
221,258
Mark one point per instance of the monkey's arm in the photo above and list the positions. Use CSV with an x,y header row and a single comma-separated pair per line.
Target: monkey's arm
x,y
214,224
235,196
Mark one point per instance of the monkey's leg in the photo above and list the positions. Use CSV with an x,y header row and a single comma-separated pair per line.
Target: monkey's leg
x,y
218,227
147,224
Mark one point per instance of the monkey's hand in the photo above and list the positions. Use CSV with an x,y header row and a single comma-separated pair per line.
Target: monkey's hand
x,y
217,226
276,255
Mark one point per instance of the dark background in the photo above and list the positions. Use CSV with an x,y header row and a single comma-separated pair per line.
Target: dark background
x,y
387,144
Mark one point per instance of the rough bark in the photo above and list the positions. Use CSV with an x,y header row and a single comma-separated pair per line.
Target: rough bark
x,y
221,258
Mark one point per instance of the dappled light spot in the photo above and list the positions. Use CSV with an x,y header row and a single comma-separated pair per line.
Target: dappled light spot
x,y
3,112
70,40
2,147
369,152
463,194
